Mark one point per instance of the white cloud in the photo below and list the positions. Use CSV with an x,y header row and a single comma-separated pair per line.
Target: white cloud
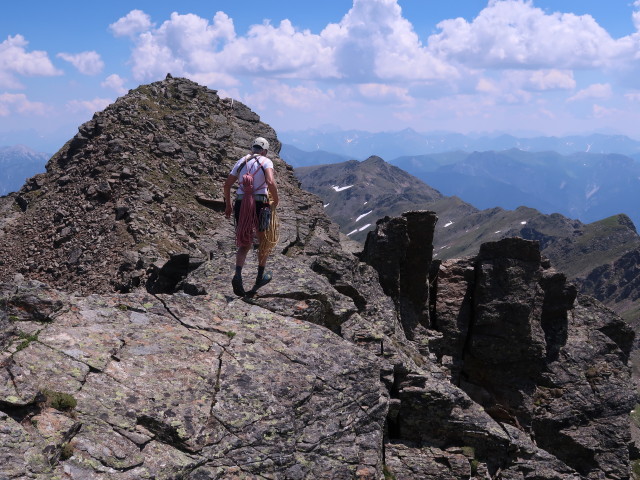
x,y
510,63
214,79
299,97
183,45
381,93
547,113
634,96
515,34
510,86
87,63
487,86
88,106
16,60
18,102
636,15
134,23
601,91
116,83
600,112
281,51
372,43
551,80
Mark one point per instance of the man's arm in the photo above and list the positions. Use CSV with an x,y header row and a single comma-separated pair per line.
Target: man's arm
x,y
271,185
228,208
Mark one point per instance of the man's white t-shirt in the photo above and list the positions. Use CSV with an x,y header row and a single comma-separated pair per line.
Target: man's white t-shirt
x,y
253,163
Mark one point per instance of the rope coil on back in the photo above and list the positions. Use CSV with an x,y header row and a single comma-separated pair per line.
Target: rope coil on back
x,y
248,222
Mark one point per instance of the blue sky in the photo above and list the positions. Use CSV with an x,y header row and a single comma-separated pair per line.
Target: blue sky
x,y
469,66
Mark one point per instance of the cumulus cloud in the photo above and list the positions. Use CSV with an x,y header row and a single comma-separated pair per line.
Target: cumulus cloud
x,y
600,112
16,60
600,91
636,15
381,93
512,54
281,51
116,83
183,45
372,42
18,102
515,34
520,86
299,97
88,106
215,79
134,23
487,86
551,80
87,63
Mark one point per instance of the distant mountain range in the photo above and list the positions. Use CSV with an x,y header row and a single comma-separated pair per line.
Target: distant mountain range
x,y
585,186
601,257
301,158
18,163
357,144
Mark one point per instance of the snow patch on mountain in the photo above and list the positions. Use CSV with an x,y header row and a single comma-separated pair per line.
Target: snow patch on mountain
x,y
363,215
593,191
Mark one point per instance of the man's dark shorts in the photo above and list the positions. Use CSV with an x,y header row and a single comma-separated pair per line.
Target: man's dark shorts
x,y
236,209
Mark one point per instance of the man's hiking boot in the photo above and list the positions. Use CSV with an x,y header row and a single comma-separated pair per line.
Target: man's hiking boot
x,y
236,283
261,282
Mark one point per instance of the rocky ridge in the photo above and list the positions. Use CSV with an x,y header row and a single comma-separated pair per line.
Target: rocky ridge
x,y
388,365
138,187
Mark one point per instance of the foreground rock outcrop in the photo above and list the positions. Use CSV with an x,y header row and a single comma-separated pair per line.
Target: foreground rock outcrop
x,y
181,387
387,364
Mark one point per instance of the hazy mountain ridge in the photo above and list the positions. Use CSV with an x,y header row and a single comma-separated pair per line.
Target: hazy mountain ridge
x,y
360,144
376,190
300,158
17,163
585,186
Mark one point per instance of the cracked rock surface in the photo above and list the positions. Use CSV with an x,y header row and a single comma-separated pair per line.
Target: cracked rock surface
x,y
189,387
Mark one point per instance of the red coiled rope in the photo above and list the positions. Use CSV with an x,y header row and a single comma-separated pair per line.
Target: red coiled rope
x,y
248,221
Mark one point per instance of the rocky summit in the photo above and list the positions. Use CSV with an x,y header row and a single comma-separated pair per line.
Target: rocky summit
x,y
124,354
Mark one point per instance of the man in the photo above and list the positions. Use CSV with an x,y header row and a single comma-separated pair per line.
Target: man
x,y
260,168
